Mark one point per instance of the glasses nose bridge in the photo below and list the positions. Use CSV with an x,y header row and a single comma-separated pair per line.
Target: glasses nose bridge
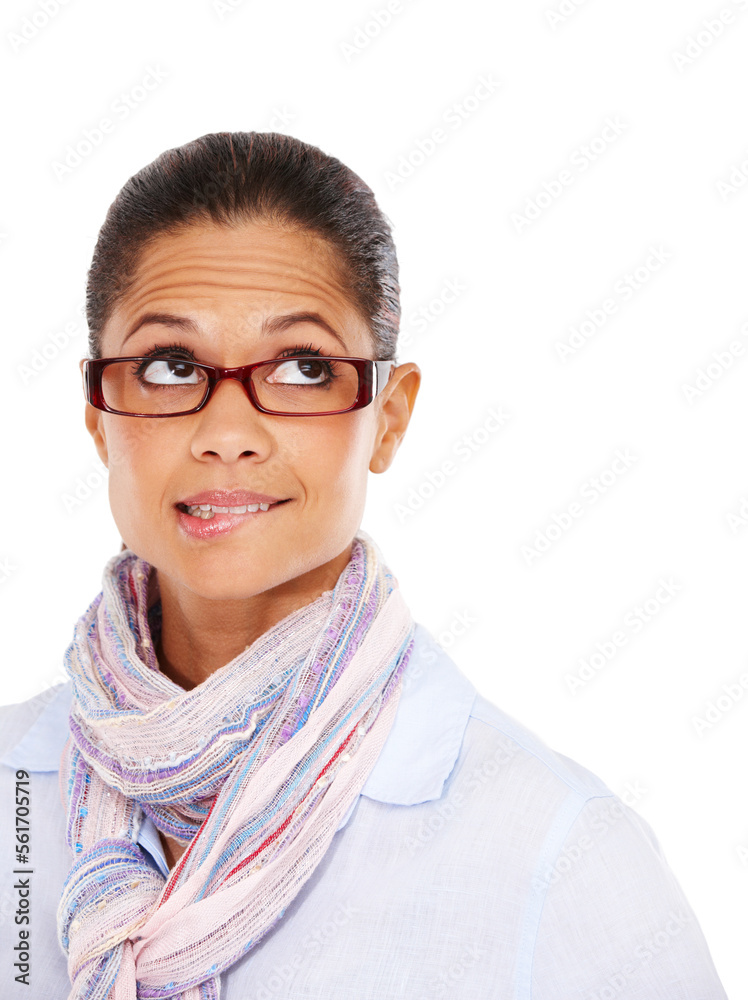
x,y
241,374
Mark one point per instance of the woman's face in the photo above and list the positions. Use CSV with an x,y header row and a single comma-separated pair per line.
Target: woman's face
x,y
238,295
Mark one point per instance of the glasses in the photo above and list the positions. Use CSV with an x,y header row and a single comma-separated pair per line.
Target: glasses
x,y
303,386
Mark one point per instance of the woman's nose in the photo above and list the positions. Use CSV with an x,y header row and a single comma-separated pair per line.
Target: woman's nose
x,y
229,425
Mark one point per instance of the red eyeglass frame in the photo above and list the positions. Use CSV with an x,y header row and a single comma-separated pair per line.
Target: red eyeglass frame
x,y
93,370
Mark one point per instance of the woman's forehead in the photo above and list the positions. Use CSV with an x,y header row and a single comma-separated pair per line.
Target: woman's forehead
x,y
241,275
246,252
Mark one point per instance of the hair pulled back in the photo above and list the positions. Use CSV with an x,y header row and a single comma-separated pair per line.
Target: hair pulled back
x,y
234,177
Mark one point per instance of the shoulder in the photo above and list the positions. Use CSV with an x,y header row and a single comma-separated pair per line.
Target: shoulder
x,y
442,706
570,874
489,725
454,752
518,795
544,802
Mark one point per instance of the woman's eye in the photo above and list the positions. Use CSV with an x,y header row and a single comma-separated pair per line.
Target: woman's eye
x,y
168,371
300,371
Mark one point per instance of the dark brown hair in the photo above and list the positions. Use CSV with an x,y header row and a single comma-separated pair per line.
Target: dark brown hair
x,y
233,177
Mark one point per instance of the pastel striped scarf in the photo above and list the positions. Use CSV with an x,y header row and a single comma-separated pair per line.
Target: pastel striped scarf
x,y
255,769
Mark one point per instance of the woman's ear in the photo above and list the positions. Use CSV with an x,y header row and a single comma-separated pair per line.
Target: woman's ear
x,y
396,408
95,427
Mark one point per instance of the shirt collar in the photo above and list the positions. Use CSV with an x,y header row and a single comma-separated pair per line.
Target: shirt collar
x,y
41,746
416,759
425,739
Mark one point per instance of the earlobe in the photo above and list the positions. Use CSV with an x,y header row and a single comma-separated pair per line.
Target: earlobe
x,y
398,400
95,427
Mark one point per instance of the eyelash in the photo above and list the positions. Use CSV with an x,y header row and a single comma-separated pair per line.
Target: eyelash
x,y
168,349
177,348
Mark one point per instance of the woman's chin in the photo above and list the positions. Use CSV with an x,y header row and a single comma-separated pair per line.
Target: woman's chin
x,y
230,573
232,580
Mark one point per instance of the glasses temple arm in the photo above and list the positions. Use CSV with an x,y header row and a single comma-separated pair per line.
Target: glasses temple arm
x,y
384,370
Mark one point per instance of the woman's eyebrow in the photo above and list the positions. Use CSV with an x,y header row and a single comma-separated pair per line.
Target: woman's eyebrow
x,y
277,324
164,319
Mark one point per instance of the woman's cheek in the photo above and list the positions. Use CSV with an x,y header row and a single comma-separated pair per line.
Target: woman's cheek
x,y
348,466
137,472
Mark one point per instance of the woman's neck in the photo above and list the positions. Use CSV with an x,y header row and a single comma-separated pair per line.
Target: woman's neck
x,y
199,635
173,850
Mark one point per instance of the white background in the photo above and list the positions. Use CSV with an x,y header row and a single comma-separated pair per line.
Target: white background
x,y
370,93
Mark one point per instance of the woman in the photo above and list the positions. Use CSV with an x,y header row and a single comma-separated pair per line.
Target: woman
x,y
273,782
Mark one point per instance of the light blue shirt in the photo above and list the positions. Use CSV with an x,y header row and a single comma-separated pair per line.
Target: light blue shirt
x,y
475,863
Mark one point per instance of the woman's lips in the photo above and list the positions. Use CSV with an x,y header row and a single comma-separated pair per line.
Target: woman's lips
x,y
227,498
209,524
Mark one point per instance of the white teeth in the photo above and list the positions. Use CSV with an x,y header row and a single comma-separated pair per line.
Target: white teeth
x,y
207,510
